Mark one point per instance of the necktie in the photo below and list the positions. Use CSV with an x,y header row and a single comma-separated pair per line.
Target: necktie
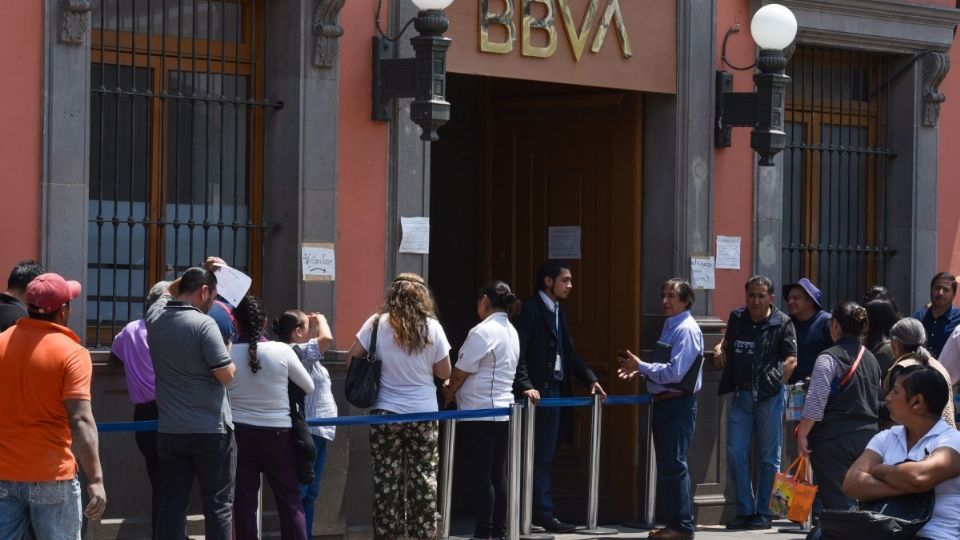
x,y
557,364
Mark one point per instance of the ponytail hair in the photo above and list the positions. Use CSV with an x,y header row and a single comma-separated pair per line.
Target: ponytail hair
x,y
912,337
500,296
251,318
284,326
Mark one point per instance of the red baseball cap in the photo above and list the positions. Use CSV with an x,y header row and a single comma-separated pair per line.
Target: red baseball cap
x,y
49,292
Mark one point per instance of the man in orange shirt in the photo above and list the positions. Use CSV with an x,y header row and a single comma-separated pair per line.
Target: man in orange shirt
x,y
44,410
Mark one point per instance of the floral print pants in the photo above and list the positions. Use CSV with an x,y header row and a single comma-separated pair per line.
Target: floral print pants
x,y
405,460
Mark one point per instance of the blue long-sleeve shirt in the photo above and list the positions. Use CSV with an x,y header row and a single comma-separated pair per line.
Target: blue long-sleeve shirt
x,y
683,334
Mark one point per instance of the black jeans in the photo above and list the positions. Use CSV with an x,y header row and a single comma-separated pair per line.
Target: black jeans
x,y
487,443
147,444
212,458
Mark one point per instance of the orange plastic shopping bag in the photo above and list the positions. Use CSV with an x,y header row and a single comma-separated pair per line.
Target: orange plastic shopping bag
x,y
793,492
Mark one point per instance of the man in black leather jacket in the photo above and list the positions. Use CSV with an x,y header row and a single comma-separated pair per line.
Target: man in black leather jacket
x,y
758,353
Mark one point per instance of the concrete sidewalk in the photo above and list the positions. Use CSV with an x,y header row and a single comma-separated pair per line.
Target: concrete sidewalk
x,y
714,532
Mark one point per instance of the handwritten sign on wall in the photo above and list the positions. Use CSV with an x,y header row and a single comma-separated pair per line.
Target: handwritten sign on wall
x,y
319,262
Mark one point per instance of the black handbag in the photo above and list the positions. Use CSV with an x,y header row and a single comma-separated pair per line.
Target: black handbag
x,y
894,518
304,449
363,377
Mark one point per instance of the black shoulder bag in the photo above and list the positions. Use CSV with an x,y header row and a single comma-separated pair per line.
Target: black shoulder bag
x,y
304,449
363,377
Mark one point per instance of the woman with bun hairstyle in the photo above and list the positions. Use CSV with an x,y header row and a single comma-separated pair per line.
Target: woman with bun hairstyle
x,y
412,349
483,379
840,413
908,338
260,403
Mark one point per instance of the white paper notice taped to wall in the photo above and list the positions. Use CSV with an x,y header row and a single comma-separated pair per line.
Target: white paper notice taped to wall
x,y
728,252
563,242
319,262
415,235
702,273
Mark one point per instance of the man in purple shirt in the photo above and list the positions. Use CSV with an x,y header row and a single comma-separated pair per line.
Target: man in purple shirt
x,y
679,350
130,347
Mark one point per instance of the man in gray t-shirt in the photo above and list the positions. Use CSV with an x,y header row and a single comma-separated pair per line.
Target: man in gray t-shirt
x,y
195,433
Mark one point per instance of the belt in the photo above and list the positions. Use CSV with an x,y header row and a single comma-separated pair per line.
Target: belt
x,y
670,394
745,386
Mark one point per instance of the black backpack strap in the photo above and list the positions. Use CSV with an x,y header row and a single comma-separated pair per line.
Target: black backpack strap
x,y
372,351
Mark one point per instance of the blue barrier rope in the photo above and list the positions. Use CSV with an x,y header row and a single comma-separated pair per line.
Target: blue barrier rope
x,y
642,399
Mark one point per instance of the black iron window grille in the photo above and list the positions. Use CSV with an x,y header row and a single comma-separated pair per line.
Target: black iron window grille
x,y
176,147
834,171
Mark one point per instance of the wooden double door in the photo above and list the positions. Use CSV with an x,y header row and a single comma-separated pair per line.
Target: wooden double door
x,y
556,157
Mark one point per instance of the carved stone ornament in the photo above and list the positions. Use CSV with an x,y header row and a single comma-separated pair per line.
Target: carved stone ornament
x,y
326,32
935,68
76,20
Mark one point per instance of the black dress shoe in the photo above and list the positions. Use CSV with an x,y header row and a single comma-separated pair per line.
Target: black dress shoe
x,y
760,522
740,523
554,525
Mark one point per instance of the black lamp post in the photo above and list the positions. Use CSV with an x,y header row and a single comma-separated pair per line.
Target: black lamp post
x,y
423,77
773,28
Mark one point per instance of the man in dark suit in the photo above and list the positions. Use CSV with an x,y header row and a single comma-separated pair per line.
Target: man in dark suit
x,y
547,363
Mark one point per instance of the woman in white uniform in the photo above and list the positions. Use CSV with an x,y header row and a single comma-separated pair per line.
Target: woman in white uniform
x,y
483,379
916,402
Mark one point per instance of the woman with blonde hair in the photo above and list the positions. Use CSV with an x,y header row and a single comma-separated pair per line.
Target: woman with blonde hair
x,y
907,340
413,349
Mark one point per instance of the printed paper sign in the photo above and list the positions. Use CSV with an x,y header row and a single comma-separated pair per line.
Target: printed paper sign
x,y
416,235
319,262
702,273
563,242
728,252
232,284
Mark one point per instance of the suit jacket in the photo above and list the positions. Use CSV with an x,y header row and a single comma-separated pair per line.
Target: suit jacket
x,y
538,350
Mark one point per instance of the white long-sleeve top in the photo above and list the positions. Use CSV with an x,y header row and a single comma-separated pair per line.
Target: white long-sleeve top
x,y
261,398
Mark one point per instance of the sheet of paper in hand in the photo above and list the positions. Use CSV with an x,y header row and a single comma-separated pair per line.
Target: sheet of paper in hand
x,y
232,284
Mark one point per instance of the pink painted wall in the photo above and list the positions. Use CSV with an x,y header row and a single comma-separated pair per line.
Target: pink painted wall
x,y
948,211
733,206
21,26
362,189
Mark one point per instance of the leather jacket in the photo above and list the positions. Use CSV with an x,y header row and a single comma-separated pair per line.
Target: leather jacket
x,y
776,342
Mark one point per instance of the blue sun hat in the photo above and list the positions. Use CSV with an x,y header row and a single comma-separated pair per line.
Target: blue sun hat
x,y
812,291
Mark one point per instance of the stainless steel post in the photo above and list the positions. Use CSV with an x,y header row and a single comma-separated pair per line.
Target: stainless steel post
x,y
529,424
446,476
593,479
260,509
513,473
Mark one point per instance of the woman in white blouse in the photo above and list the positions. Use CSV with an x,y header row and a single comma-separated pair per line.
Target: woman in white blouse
x,y
261,416
412,349
483,379
916,402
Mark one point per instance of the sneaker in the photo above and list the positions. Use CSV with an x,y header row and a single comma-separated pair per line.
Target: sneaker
x,y
554,525
740,523
760,521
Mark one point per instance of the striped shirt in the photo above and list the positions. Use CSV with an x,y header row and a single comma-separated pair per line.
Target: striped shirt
x,y
826,369
320,402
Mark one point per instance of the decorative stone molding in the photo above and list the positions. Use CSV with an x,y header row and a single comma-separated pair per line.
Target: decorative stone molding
x,y
76,21
935,67
326,32
891,26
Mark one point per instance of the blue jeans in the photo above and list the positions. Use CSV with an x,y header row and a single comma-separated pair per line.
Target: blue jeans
x,y
212,458
546,432
746,420
672,424
51,508
310,492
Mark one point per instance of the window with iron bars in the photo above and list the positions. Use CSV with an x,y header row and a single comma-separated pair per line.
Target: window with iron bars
x,y
176,147
834,171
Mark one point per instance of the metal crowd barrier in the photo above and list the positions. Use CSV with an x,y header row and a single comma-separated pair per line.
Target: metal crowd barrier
x,y
520,453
